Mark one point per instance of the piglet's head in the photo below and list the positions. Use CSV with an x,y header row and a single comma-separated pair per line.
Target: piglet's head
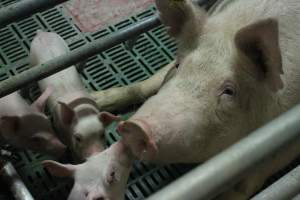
x,y
101,177
31,131
222,87
86,133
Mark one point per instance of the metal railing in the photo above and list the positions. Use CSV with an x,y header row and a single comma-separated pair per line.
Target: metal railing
x,y
207,180
214,176
25,8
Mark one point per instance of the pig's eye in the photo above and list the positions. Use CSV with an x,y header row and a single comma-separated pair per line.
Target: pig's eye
x,y
228,90
177,65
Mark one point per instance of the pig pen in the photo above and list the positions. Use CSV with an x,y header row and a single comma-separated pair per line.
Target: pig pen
x,y
114,67
117,66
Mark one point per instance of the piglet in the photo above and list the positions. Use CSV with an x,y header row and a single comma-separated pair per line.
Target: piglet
x,y
102,176
75,113
27,127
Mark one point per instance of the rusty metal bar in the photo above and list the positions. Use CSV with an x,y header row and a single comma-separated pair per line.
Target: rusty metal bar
x,y
10,176
23,9
214,176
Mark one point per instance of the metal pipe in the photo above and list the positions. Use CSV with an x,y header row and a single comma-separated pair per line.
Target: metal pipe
x,y
286,187
51,67
62,62
25,8
225,169
296,197
16,185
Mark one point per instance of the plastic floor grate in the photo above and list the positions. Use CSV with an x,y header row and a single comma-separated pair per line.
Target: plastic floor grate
x,y
114,67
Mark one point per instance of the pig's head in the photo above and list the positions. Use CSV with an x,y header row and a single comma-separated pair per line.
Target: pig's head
x,y
32,131
223,86
101,177
86,132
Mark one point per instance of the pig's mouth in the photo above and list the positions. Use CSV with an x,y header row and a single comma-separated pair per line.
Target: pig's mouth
x,y
137,135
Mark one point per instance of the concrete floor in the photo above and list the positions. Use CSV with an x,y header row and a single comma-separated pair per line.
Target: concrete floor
x,y
91,15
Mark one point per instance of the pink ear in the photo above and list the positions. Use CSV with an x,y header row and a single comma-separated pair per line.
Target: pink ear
x,y
40,103
67,114
107,118
59,170
260,43
10,124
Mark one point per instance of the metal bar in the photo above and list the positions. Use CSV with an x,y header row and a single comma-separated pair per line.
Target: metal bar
x,y
16,185
286,187
225,169
296,197
25,8
62,62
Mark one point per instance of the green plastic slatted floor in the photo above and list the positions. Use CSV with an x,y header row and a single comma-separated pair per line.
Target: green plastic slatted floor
x,y
114,67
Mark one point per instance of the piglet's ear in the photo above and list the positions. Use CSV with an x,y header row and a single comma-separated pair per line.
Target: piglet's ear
x,y
107,118
260,43
10,124
59,170
67,114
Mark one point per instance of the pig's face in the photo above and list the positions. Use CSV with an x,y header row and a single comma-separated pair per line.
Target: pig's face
x,y
102,176
32,131
85,130
220,89
88,137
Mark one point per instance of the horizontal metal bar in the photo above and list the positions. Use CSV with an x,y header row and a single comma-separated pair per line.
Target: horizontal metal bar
x,y
62,62
286,187
25,8
16,185
212,177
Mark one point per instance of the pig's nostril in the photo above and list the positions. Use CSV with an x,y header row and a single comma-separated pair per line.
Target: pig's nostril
x,y
99,198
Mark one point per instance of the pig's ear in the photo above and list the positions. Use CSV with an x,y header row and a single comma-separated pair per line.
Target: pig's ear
x,y
40,103
260,43
67,114
10,124
59,170
180,15
107,118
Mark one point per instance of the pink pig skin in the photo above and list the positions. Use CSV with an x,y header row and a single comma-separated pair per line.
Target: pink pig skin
x,y
76,115
26,126
102,176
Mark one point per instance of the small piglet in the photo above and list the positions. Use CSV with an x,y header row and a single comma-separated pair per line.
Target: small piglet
x,y
27,127
102,176
75,113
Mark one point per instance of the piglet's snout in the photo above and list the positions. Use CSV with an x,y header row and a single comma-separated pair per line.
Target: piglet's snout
x,y
137,135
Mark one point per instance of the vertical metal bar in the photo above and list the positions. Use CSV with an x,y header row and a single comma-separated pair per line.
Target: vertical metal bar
x,y
226,168
286,187
25,8
16,185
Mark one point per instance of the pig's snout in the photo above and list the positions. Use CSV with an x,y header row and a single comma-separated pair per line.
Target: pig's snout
x,y
137,135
